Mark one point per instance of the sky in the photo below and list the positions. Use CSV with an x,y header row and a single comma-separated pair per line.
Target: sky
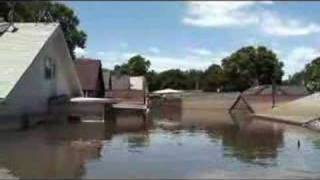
x,y
194,35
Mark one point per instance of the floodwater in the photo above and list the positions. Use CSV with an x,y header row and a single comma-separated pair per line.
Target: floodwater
x,y
190,138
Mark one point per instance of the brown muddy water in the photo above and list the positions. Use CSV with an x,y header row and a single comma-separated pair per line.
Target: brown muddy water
x,y
192,138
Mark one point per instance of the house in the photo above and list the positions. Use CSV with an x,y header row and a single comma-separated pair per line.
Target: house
x,y
91,77
35,68
129,89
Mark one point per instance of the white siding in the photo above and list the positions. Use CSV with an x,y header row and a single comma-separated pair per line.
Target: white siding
x,y
18,50
31,93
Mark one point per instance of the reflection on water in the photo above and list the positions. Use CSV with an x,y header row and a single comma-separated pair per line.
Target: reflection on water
x,y
189,138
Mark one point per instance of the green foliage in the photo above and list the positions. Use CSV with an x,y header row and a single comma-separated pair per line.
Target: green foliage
x,y
194,78
251,66
136,66
296,78
213,78
46,11
153,80
173,78
312,75
121,69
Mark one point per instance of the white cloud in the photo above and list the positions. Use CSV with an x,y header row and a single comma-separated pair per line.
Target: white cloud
x,y
154,50
297,59
244,13
274,25
111,58
220,13
201,52
80,52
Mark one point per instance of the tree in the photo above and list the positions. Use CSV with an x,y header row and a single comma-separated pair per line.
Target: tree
x,y
173,78
136,66
121,69
213,78
193,78
251,66
312,75
153,80
46,11
297,78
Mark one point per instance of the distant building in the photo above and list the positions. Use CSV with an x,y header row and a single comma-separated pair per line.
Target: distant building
x,y
35,68
130,89
91,77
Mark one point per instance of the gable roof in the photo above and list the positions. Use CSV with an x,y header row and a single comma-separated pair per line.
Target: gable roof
x,y
89,71
18,50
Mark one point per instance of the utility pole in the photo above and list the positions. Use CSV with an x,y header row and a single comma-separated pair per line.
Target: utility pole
x,y
11,16
11,12
275,74
273,92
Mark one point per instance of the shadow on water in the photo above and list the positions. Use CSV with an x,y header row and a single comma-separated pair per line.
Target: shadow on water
x,y
62,150
135,126
167,109
253,142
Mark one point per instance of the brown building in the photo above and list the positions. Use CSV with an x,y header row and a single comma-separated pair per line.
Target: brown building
x,y
91,77
130,89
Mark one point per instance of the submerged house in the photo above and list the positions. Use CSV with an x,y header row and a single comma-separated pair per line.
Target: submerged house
x,y
35,69
129,89
260,98
91,77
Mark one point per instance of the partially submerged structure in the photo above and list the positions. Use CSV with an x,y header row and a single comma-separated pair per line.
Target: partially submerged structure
x,y
301,111
293,105
266,90
260,98
128,89
35,70
91,77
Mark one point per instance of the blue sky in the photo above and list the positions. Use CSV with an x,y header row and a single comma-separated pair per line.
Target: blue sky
x,y
189,34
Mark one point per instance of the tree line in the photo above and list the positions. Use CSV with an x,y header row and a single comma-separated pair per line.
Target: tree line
x,y
309,76
244,68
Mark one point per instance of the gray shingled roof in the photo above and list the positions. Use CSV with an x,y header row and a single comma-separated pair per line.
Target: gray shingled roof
x,y
18,50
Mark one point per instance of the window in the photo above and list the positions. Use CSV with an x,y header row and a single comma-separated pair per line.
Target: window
x,y
49,70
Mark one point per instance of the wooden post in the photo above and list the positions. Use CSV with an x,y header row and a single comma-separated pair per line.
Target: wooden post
x,y
144,116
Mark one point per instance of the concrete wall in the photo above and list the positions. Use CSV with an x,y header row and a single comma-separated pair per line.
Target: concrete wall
x,y
31,93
